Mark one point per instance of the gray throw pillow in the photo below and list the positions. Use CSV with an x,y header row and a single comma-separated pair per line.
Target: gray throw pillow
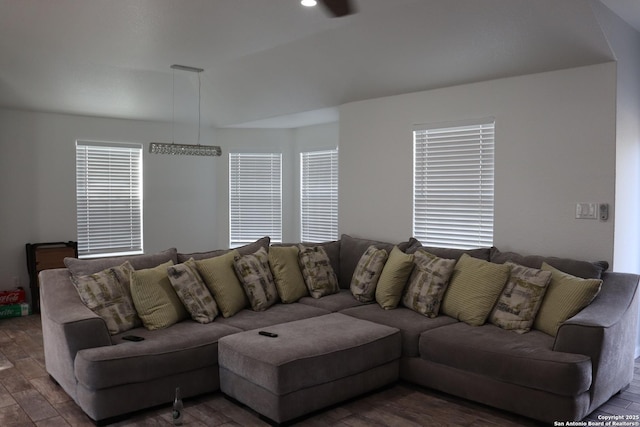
x,y
316,269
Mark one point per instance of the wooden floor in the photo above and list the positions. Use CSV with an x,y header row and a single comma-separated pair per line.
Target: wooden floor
x,y
28,397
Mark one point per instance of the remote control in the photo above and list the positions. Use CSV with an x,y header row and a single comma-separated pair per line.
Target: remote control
x,y
268,334
132,338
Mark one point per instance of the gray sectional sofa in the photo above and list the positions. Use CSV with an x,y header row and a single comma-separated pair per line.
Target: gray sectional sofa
x,y
533,374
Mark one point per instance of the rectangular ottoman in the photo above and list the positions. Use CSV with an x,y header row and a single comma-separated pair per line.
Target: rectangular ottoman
x,y
311,364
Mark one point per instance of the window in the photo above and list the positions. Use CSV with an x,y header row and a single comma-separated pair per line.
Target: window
x,y
255,197
453,185
319,196
108,198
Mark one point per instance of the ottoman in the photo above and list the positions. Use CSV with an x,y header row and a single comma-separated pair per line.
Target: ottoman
x,y
311,364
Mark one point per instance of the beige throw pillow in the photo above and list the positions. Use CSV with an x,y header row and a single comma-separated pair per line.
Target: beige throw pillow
x,y
566,296
256,279
316,269
473,290
107,294
192,291
219,275
156,302
283,261
393,278
428,283
367,273
521,298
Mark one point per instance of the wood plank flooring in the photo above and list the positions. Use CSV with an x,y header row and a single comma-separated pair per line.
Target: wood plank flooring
x,y
28,397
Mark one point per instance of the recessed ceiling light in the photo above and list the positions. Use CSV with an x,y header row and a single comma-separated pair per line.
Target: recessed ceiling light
x,y
308,3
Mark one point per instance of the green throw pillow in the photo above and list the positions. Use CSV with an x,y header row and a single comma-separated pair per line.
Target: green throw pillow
x,y
428,283
316,269
393,278
566,296
367,273
256,279
192,291
283,261
156,302
107,293
521,298
221,279
473,290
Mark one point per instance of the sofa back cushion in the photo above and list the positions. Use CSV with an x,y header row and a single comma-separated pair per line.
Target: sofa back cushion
x,y
247,249
352,249
83,267
584,269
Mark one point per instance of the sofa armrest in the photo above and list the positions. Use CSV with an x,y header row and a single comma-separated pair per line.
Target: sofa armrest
x,y
67,326
606,330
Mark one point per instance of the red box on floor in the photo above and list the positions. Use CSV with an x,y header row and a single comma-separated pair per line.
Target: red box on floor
x,y
15,296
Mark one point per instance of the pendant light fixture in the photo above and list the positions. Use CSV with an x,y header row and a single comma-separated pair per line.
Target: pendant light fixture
x,y
184,149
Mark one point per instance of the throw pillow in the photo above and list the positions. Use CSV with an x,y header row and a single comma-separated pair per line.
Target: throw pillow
x,y
283,261
156,302
365,277
566,296
221,279
474,289
316,269
109,297
393,278
521,298
192,291
256,279
427,283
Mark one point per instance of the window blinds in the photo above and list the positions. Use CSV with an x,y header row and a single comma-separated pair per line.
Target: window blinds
x,y
255,197
319,196
453,186
108,198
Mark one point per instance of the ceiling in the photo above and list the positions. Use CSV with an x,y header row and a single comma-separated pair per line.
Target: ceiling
x,y
274,63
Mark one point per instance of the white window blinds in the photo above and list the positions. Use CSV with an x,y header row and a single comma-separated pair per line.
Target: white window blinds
x,y
108,198
255,197
319,196
453,185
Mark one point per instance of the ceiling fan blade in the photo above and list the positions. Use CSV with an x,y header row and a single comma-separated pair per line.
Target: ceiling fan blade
x,y
338,7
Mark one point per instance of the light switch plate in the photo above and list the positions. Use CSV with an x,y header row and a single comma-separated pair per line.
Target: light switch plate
x,y
587,211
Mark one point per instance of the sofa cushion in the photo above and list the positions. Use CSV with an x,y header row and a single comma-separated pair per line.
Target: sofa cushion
x,y
283,261
256,279
504,356
83,267
243,250
186,346
192,291
428,283
316,269
367,272
448,253
566,296
584,269
521,298
221,279
474,289
278,313
410,323
334,302
393,278
154,298
107,293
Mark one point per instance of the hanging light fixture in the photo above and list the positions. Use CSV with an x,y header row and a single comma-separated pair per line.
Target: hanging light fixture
x,y
184,149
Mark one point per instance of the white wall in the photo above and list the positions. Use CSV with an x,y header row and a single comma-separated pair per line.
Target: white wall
x,y
37,175
625,43
555,147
